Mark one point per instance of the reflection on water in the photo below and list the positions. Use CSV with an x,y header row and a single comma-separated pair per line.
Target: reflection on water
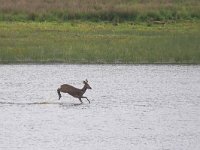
x,y
132,107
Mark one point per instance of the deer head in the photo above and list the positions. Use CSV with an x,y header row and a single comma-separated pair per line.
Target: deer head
x,y
86,84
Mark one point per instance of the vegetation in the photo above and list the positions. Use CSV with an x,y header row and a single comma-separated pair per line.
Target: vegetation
x,y
99,10
100,31
89,42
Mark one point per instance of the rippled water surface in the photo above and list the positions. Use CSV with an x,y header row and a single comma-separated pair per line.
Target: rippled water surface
x,y
140,107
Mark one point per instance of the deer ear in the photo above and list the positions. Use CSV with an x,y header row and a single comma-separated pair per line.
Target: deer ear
x,y
86,81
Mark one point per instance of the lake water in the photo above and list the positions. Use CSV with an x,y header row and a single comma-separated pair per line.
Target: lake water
x,y
133,107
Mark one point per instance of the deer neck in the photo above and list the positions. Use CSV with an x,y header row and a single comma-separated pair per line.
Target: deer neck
x,y
84,89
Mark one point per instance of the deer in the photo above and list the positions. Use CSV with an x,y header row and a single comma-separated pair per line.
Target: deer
x,y
75,92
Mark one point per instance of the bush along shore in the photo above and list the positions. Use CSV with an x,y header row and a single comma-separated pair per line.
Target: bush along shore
x,y
99,10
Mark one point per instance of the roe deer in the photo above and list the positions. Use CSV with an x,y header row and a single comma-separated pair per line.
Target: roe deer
x,y
75,92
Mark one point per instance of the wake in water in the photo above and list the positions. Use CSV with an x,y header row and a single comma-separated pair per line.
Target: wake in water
x,y
38,103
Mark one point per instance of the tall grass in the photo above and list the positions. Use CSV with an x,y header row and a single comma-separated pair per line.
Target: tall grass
x,y
87,42
98,10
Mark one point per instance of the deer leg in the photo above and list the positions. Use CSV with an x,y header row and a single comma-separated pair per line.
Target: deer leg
x,y
86,98
80,100
59,95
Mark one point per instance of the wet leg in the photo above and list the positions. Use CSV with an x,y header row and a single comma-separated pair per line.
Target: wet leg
x,y
59,95
86,98
80,100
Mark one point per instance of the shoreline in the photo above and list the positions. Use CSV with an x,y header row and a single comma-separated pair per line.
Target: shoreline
x,y
63,63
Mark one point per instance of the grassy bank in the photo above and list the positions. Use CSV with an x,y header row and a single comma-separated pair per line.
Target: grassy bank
x,y
88,42
99,10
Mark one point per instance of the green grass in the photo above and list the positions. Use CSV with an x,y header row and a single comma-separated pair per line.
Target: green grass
x,y
89,42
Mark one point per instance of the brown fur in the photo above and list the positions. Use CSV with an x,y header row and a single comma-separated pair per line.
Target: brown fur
x,y
75,92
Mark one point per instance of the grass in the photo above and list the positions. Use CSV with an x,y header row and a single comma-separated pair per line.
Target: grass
x,y
89,42
99,10
100,31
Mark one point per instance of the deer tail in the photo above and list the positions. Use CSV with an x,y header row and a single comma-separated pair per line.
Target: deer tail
x,y
59,95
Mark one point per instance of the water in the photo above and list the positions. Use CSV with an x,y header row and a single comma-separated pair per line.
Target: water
x,y
154,107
